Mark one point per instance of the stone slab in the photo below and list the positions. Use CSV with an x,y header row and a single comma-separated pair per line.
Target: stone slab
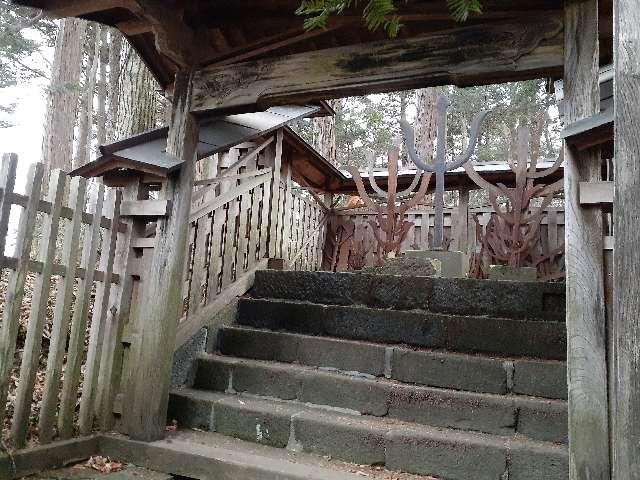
x,y
538,462
453,264
540,378
513,274
545,420
446,454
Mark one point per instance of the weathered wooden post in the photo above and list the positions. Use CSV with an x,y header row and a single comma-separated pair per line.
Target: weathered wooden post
x,y
151,356
626,292
586,339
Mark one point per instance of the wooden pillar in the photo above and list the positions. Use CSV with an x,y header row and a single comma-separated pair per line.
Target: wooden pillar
x,y
161,306
586,337
626,290
463,220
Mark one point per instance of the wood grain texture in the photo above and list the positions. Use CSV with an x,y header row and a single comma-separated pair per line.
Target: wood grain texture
x,y
459,56
61,313
152,354
586,334
626,297
15,285
37,316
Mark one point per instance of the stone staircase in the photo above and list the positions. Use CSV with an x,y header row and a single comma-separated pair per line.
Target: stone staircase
x,y
456,379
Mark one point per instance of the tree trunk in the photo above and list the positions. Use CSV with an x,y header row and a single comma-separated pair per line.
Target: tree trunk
x,y
85,117
115,56
62,101
139,101
425,124
101,114
324,134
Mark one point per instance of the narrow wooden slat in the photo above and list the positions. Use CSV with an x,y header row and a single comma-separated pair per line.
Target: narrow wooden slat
x,y
99,318
15,286
7,183
287,228
35,266
275,196
45,207
198,275
232,178
216,249
37,316
230,245
145,208
594,193
227,197
61,313
243,241
112,360
254,232
79,322
265,213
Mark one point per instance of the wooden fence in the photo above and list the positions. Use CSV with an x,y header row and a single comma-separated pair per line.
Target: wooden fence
x,y
75,281
459,228
66,260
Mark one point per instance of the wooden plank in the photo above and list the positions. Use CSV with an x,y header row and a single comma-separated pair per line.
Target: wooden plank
x,y
111,361
7,183
79,323
198,274
586,333
230,245
386,66
152,353
596,192
254,229
36,266
99,319
275,196
233,178
287,229
626,298
217,249
145,208
608,242
143,242
37,316
15,286
226,197
189,326
61,313
45,207
243,241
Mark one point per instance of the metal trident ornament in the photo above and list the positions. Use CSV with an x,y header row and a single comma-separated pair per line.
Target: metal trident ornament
x,y
440,165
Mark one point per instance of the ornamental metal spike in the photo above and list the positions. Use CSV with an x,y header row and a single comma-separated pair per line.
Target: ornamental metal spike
x,y
440,166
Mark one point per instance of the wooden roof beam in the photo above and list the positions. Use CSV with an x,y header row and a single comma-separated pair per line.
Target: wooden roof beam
x,y
79,8
459,56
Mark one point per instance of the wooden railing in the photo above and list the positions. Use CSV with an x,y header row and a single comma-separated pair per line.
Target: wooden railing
x,y
65,260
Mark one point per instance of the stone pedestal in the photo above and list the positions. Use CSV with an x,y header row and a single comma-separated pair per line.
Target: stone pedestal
x,y
513,274
450,264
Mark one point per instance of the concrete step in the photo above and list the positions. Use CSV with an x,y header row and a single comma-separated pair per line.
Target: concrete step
x,y
435,368
399,446
211,456
538,418
522,300
468,334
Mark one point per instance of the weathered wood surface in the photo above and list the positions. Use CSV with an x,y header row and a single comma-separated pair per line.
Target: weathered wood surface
x,y
586,334
148,390
15,287
145,208
596,193
459,56
37,315
61,317
626,297
75,350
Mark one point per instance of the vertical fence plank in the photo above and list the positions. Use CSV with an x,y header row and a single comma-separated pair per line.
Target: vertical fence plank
x,y
199,258
99,317
79,322
243,241
217,250
37,316
254,233
15,287
230,243
61,313
264,221
275,197
7,183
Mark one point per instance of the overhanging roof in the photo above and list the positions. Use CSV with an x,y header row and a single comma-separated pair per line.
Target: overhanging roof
x,y
147,152
225,32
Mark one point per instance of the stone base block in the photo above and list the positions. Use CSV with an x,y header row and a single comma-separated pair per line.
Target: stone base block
x,y
451,264
513,274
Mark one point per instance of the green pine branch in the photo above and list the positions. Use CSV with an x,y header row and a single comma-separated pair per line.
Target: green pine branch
x,y
376,13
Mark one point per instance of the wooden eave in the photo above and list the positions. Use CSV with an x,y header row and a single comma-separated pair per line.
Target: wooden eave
x,y
210,33
591,132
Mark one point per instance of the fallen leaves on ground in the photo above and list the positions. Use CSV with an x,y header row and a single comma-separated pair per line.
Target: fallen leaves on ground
x,y
104,464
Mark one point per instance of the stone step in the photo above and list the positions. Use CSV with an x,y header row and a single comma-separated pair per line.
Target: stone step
x,y
501,336
400,446
522,300
538,418
435,368
211,456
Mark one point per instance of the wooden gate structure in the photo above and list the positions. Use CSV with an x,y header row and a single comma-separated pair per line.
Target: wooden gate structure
x,y
212,61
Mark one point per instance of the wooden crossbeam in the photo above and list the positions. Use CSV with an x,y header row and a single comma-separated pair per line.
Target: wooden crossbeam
x,y
458,56
596,193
